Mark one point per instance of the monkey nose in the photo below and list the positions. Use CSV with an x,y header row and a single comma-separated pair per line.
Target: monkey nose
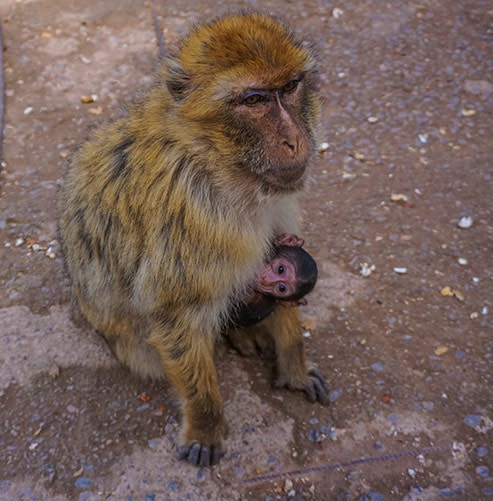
x,y
291,147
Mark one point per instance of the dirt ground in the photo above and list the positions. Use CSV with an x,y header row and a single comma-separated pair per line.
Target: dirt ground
x,y
407,91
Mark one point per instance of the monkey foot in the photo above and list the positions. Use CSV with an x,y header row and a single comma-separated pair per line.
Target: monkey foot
x,y
315,387
200,455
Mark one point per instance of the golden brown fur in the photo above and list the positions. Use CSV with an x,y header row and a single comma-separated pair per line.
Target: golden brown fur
x,y
167,214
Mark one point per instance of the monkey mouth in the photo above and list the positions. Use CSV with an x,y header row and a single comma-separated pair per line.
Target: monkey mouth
x,y
285,179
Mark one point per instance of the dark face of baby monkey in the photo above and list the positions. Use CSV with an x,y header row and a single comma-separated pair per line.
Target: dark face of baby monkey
x,y
167,214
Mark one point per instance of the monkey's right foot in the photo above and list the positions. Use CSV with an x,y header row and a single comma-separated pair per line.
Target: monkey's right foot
x,y
312,383
315,387
200,455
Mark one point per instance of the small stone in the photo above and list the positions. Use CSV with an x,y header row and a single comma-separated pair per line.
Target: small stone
x,y
88,99
482,451
440,350
465,222
400,271
334,395
366,269
54,370
473,420
482,471
462,261
323,147
337,12
173,486
314,435
83,482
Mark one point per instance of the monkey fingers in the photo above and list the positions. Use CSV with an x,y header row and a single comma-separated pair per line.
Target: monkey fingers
x,y
200,455
289,240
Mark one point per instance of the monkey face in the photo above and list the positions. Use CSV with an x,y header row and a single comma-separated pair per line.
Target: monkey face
x,y
278,278
247,86
270,128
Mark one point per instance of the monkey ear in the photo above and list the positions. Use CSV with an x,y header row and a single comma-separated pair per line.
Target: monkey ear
x,y
177,80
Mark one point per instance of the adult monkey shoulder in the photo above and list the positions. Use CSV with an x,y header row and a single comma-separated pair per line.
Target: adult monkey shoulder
x,y
167,214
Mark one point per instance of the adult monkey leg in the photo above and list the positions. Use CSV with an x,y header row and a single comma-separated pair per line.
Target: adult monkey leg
x,y
293,371
188,361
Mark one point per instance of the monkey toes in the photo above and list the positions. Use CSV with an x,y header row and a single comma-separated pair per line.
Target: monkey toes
x,y
315,387
313,384
200,455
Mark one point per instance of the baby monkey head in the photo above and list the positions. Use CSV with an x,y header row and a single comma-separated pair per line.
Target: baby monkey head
x,y
247,85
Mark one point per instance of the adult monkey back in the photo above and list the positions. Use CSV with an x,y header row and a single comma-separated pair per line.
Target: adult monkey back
x,y
167,214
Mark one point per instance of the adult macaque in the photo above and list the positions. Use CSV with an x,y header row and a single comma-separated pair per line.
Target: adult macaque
x,y
167,214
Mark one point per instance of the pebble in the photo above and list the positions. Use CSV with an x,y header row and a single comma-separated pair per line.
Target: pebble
x,y
154,442
482,471
334,395
473,420
482,451
372,496
366,269
83,482
465,222
173,486
314,435
450,493
377,367
400,270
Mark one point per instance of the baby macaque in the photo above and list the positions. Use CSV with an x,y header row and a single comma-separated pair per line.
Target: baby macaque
x,y
288,276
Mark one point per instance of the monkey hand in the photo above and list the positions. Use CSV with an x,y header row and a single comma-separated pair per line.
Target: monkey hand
x,y
289,240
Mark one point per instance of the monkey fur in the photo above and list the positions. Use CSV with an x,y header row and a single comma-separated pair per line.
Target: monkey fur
x,y
167,214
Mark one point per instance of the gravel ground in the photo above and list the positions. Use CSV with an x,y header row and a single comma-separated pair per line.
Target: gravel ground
x,y
398,216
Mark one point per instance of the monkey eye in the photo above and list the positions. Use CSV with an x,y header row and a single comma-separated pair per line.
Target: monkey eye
x,y
281,269
253,98
291,86
281,288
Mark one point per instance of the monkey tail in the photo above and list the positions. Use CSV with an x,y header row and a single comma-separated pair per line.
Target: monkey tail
x,y
159,33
